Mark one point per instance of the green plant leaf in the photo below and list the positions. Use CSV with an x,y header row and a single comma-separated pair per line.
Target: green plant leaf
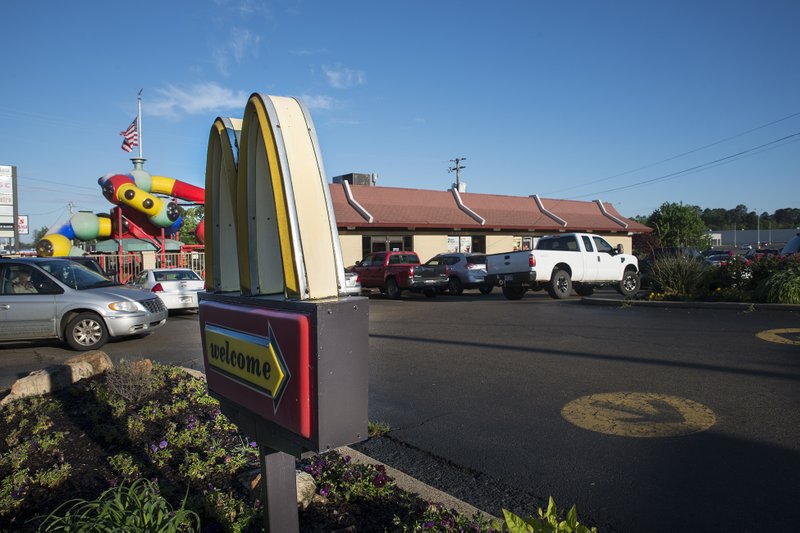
x,y
517,524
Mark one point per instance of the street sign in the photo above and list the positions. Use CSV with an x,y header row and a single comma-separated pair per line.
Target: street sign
x,y
22,224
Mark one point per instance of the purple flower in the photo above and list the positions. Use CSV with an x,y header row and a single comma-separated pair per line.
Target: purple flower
x,y
153,448
253,444
163,444
324,491
347,459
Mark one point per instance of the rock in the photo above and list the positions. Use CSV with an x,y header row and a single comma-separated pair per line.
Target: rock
x,y
142,366
306,487
99,360
50,379
194,373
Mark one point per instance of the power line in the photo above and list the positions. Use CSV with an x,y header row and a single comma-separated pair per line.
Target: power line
x,y
26,178
705,166
726,139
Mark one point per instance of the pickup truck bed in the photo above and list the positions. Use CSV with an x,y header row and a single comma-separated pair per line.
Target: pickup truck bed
x,y
395,272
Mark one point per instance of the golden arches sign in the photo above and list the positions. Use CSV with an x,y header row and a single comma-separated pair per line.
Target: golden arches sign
x,y
259,244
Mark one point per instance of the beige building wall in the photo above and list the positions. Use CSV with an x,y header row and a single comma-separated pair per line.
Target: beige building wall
x,y
497,244
427,246
351,249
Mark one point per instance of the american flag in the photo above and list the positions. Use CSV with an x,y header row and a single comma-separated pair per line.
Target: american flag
x,y
131,136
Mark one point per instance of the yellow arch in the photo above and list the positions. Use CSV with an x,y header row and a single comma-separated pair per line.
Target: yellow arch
x,y
222,272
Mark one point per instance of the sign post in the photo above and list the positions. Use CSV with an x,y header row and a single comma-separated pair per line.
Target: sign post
x,y
284,353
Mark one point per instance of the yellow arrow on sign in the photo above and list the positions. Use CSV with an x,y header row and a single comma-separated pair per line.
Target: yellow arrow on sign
x,y
251,358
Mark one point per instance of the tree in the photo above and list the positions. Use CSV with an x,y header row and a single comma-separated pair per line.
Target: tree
x,y
191,217
39,235
679,225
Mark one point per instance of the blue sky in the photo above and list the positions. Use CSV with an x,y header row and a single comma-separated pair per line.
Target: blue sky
x,y
580,100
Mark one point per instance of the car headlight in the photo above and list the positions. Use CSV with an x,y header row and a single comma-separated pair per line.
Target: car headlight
x,y
128,307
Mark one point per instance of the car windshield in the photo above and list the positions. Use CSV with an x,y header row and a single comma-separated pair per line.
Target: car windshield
x,y
75,275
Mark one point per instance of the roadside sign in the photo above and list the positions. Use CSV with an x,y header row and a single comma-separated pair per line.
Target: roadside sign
x,y
22,224
284,353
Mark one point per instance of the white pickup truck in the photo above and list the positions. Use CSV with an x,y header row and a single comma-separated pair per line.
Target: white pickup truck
x,y
560,263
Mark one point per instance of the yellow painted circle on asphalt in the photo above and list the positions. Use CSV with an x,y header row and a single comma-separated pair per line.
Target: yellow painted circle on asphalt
x,y
639,414
781,336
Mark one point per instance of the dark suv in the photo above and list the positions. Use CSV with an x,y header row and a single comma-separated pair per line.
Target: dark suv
x,y
466,271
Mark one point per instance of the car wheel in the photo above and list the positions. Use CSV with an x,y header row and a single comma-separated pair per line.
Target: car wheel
x,y
454,286
514,293
629,284
392,290
487,290
584,290
560,285
86,331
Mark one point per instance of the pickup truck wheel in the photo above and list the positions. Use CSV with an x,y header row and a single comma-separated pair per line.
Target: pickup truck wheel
x,y
513,293
86,331
392,290
584,290
629,284
454,286
560,285
487,290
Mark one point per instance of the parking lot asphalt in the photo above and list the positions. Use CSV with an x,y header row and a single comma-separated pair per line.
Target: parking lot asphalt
x,y
648,418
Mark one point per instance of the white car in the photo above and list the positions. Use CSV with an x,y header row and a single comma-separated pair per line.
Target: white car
x,y
177,287
352,285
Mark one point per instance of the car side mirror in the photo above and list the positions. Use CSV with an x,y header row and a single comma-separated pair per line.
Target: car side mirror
x,y
358,263
620,249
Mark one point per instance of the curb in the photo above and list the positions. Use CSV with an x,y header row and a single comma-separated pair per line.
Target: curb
x,y
421,489
731,306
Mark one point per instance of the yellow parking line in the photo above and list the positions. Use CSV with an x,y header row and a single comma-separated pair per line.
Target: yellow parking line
x,y
777,336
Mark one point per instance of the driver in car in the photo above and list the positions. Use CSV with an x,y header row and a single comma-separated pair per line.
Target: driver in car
x,y
23,283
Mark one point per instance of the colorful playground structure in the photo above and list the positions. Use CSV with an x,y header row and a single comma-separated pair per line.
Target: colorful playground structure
x,y
138,213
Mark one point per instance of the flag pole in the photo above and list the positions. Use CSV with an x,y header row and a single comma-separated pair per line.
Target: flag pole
x,y
138,162
139,123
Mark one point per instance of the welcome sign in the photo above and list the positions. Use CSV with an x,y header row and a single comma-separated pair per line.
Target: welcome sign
x,y
285,351
251,359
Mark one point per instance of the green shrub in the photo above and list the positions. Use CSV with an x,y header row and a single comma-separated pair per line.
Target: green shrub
x,y
679,276
137,507
780,288
546,522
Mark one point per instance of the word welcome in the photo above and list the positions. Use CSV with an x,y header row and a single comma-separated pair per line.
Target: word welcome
x,y
252,358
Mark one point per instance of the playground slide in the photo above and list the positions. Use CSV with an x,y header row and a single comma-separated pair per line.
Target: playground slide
x,y
144,214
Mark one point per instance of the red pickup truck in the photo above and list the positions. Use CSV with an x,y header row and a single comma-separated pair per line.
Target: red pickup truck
x,y
394,272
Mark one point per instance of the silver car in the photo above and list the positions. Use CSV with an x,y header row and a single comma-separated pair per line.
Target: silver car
x,y
57,298
466,271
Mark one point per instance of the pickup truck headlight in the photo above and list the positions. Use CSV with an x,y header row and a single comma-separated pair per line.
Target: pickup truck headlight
x,y
128,307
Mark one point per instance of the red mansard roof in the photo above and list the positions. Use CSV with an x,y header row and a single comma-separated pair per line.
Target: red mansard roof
x,y
394,207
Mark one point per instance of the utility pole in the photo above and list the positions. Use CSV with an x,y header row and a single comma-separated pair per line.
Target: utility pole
x,y
457,168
